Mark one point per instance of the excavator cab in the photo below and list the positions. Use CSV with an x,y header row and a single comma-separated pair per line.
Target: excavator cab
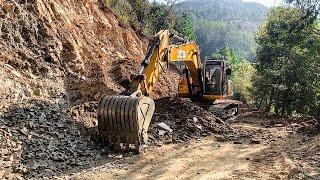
x,y
218,90
216,79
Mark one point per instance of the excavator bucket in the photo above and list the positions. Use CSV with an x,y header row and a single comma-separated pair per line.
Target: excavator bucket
x,y
124,120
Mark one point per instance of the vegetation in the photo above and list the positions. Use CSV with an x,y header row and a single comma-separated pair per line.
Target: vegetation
x,y
288,57
242,74
213,23
147,18
122,7
186,28
220,23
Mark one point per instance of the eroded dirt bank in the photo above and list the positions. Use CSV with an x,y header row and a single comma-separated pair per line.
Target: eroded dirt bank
x,y
57,58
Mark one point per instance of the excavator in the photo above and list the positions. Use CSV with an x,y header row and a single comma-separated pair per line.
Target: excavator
x,y
123,120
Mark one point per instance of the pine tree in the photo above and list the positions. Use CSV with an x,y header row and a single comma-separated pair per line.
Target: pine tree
x,y
187,29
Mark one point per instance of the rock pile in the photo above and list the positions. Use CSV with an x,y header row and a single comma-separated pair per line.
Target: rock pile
x,y
40,139
176,120
184,121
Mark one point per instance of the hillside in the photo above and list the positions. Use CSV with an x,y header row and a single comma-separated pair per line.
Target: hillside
x,y
220,23
57,58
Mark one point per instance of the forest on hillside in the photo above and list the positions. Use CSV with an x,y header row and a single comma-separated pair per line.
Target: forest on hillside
x,y
214,24
282,41
220,23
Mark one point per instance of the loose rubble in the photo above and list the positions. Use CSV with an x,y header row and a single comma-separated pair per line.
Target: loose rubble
x,y
182,121
176,120
38,139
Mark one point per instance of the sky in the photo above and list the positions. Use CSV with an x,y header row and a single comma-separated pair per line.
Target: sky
x,y
268,3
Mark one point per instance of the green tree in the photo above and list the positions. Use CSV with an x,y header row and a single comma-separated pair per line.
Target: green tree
x,y
287,75
228,22
226,53
186,28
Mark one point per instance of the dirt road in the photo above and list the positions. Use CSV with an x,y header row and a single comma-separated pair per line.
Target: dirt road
x,y
261,149
205,159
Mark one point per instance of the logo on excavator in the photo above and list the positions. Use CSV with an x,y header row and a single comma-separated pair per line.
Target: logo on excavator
x,y
181,54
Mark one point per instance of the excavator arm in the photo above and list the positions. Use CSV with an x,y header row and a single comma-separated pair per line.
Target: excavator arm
x,y
124,120
191,85
159,54
153,64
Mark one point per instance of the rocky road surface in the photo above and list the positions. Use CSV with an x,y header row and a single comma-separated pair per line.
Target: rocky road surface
x,y
46,139
261,148
42,138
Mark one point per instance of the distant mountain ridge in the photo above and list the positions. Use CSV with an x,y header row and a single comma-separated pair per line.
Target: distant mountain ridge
x,y
221,23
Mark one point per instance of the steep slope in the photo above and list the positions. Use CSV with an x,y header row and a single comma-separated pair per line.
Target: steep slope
x,y
79,48
57,58
55,55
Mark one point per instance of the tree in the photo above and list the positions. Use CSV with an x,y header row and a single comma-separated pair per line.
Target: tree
x,y
186,28
228,22
160,18
310,12
226,53
287,59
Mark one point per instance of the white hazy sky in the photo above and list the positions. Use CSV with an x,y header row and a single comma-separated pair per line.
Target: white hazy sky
x,y
268,3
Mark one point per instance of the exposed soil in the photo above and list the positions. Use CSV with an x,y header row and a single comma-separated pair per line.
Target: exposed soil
x,y
186,120
57,58
257,152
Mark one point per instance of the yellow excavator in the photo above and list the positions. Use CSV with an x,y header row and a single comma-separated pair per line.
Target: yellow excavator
x,y
124,120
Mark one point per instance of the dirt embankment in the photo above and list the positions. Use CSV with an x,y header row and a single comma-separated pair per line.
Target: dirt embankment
x,y
71,48
55,55
57,58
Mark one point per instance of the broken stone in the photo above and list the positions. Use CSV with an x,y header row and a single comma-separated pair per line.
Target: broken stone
x,y
59,125
24,131
4,152
37,92
162,132
42,117
2,173
255,141
199,127
195,119
119,156
165,127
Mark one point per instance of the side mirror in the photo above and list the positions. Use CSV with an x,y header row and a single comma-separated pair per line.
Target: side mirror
x,y
228,72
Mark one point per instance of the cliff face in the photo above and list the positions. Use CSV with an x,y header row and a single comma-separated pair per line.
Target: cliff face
x,y
57,58
76,47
